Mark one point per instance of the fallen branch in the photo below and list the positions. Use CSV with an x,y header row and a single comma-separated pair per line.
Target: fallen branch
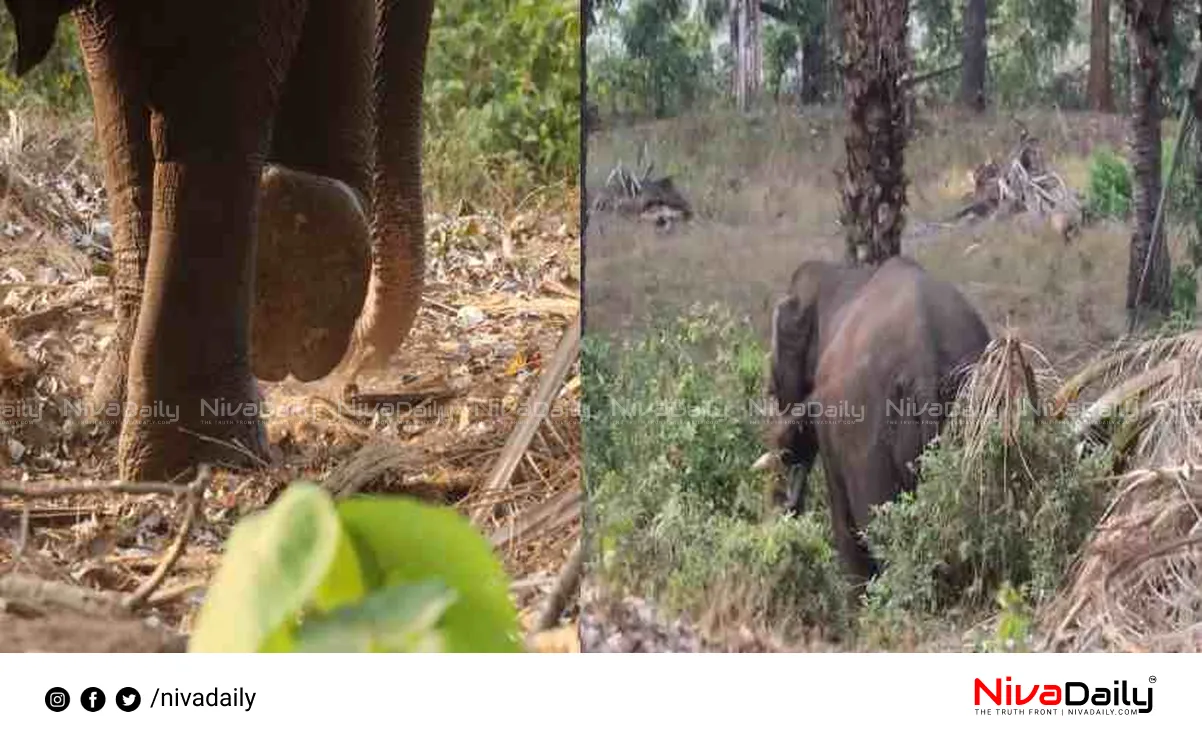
x,y
565,588
192,492
33,594
58,490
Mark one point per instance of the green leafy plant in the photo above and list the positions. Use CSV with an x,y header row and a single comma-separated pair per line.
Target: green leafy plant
x,y
366,574
1014,514
674,421
502,96
1109,191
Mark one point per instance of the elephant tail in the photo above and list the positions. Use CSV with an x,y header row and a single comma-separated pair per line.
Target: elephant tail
x,y
398,225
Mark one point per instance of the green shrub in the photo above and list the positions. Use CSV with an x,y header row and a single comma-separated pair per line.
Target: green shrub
x,y
1109,190
1016,515
672,425
502,102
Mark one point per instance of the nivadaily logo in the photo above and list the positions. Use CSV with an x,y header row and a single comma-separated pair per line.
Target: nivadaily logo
x,y
1069,698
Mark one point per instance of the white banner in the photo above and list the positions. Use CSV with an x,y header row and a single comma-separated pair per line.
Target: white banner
x,y
598,697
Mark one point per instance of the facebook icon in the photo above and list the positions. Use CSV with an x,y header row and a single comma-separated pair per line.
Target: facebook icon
x,y
92,699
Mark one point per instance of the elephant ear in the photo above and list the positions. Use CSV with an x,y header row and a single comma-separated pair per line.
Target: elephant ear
x,y
36,23
791,331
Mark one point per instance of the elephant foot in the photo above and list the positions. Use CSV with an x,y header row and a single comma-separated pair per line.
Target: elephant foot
x,y
165,442
312,269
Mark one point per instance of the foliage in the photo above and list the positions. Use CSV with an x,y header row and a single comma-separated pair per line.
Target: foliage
x,y
1016,515
362,575
651,58
59,82
503,94
780,54
672,426
1027,35
1108,193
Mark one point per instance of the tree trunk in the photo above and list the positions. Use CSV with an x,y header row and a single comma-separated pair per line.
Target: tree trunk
x,y
745,45
813,69
1150,26
976,55
874,183
1101,88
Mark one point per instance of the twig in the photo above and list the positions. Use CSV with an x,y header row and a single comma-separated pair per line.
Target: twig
x,y
565,587
523,433
192,491
191,509
561,509
171,594
57,490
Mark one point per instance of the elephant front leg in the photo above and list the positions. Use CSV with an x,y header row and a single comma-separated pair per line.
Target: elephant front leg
x,y
191,394
191,397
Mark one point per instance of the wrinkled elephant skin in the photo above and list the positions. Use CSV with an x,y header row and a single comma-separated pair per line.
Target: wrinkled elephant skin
x,y
874,356
262,223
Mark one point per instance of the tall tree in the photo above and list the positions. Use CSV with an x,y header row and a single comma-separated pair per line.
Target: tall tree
x,y
874,184
745,46
1149,31
975,55
1101,87
809,19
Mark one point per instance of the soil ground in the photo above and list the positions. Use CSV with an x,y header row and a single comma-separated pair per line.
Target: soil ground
x,y
500,292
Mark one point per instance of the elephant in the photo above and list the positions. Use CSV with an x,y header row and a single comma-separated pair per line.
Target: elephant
x,y
865,365
262,160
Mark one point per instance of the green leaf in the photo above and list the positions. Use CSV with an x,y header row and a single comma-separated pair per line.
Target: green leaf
x,y
343,583
397,619
405,541
274,562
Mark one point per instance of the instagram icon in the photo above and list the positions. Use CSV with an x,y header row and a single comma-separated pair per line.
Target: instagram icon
x,y
57,699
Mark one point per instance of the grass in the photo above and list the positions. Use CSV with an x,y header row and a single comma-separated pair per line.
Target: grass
x,y
765,190
674,422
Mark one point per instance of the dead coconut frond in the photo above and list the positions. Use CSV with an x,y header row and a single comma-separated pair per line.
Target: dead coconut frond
x,y
1149,401
642,197
1138,584
1006,384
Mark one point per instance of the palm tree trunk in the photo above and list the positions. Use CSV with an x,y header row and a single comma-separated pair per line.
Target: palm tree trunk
x,y
874,183
1150,26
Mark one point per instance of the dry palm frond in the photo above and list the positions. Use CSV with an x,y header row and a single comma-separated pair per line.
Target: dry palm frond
x,y
1008,381
1158,384
1138,585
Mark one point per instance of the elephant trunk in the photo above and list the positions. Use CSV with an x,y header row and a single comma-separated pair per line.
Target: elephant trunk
x,y
398,225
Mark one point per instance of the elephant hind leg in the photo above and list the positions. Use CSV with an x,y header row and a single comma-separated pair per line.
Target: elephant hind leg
x,y
313,246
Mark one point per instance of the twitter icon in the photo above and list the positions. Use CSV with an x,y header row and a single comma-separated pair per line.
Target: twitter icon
x,y
128,699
